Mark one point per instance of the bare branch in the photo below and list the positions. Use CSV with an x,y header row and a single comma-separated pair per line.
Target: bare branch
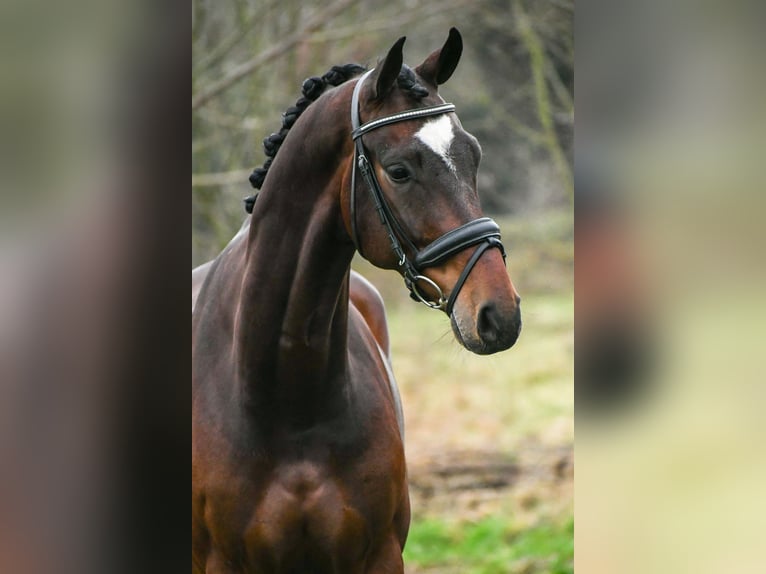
x,y
532,136
227,45
231,122
538,64
407,17
558,86
244,69
223,178
563,5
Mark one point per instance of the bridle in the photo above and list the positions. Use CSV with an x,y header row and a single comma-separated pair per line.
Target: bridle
x,y
482,231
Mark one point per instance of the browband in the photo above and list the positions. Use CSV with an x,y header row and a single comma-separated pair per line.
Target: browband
x,y
401,117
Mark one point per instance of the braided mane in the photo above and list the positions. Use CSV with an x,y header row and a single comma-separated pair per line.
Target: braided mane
x,y
311,89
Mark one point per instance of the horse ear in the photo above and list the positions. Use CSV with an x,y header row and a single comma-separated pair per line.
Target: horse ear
x,y
438,67
387,72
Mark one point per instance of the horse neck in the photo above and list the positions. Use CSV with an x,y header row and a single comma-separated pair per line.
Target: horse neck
x,y
293,309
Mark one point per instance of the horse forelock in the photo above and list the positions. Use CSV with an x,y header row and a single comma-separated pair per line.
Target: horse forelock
x,y
408,82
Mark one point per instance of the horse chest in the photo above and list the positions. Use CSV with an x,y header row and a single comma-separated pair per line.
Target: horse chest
x,y
305,507
306,518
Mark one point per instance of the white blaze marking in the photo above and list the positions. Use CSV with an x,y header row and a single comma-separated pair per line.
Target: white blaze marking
x,y
437,134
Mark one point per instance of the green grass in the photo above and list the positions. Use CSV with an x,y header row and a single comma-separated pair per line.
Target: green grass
x,y
490,546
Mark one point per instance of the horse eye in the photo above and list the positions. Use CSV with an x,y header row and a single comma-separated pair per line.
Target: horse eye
x,y
398,173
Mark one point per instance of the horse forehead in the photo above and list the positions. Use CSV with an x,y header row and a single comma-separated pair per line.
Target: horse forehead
x,y
437,134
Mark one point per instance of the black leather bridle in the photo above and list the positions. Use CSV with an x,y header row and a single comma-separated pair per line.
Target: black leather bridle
x,y
482,231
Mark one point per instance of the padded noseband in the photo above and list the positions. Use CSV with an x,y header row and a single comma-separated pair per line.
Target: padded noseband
x,y
452,242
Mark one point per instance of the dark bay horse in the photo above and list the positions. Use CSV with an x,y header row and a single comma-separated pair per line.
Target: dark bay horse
x,y
297,456
362,294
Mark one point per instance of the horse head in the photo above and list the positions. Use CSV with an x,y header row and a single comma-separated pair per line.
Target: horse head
x,y
413,203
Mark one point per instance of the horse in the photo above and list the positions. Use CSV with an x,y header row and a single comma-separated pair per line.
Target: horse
x,y
362,294
297,453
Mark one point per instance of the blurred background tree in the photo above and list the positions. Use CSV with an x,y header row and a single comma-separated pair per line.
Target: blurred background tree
x,y
514,90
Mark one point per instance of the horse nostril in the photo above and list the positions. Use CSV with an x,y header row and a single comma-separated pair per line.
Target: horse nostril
x,y
488,323
497,330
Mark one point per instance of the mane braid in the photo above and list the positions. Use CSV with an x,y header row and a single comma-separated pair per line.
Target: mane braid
x,y
311,89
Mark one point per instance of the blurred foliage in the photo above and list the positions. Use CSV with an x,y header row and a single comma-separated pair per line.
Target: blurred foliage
x,y
513,89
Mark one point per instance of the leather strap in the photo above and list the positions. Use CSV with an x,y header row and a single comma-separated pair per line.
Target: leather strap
x,y
490,242
454,241
354,125
391,223
402,117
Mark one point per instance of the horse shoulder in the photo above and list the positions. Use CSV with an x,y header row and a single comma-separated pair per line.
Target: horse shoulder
x,y
367,307
198,278
367,300
201,272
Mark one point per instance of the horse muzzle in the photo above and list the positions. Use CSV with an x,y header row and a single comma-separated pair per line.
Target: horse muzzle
x,y
491,331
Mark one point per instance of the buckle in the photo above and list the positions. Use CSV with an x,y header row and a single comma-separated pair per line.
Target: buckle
x,y
441,304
